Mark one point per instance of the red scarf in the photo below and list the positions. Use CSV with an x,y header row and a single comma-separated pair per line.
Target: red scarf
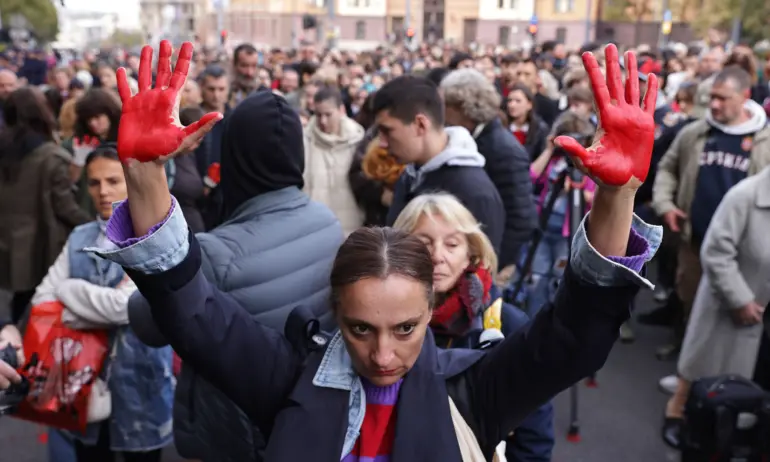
x,y
521,136
463,304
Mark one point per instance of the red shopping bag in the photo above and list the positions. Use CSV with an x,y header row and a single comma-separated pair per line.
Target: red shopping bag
x,y
62,364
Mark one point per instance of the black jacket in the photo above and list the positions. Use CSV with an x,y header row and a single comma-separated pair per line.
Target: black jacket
x,y
270,376
537,136
507,164
470,185
662,143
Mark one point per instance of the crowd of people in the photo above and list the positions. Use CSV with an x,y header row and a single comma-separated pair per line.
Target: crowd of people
x,y
357,222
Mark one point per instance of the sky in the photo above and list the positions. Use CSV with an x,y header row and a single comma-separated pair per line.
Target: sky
x,y
127,10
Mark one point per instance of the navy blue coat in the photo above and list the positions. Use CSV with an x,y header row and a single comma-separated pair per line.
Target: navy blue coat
x,y
265,374
533,439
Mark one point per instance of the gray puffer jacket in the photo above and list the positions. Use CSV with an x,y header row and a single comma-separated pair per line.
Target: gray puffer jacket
x,y
274,254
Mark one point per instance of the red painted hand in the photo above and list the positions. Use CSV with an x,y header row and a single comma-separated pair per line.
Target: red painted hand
x,y
620,154
149,124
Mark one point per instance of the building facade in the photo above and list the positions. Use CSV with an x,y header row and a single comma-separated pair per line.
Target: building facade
x,y
79,30
365,24
177,20
279,23
572,22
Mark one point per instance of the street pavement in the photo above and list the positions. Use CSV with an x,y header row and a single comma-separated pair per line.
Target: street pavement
x,y
619,420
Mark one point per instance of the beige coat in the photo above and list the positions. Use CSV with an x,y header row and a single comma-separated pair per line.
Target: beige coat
x,y
678,169
327,162
736,270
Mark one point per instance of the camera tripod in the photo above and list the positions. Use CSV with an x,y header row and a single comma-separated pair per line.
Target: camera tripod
x,y
575,216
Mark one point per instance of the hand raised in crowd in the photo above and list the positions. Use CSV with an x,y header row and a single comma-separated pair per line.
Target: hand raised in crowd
x,y
748,315
150,130
620,154
82,147
8,375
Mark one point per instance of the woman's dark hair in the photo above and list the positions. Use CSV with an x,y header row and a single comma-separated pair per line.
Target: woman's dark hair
x,y
532,119
579,95
27,117
55,101
687,92
437,74
328,93
576,126
527,94
378,252
95,102
746,62
365,116
103,151
190,115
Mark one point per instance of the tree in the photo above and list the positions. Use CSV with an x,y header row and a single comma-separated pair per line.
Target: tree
x,y
720,14
41,16
125,38
628,10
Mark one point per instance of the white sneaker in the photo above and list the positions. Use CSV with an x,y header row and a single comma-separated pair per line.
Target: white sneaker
x,y
669,384
661,295
626,334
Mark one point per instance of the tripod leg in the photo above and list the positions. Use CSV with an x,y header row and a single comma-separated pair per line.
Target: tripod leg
x,y
573,434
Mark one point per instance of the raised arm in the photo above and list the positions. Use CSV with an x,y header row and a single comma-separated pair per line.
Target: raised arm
x,y
252,364
572,338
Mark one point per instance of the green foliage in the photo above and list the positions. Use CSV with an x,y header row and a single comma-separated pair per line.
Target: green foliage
x,y
41,16
720,14
627,10
125,38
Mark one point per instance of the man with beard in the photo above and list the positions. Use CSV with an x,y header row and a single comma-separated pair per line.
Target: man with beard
x,y
245,64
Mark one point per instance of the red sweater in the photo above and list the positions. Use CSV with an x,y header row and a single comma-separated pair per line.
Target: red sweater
x,y
379,426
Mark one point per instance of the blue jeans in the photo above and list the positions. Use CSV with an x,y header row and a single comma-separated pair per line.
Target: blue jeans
x,y
547,269
61,446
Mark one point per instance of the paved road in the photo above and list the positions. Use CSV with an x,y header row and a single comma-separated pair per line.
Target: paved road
x,y
619,419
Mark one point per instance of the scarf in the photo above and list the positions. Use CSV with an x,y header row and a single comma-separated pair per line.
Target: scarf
x,y
520,132
463,304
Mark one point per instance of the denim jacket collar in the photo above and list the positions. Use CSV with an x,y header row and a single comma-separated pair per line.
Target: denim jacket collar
x,y
336,369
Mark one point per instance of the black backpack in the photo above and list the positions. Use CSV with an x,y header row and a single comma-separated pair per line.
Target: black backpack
x,y
727,418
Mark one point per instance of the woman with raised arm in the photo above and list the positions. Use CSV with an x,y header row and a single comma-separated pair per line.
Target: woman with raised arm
x,y
380,387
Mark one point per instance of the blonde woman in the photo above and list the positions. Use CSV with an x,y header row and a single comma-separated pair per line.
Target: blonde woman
x,y
464,265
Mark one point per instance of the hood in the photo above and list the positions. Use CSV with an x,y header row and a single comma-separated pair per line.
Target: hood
x,y
350,133
262,149
756,122
460,151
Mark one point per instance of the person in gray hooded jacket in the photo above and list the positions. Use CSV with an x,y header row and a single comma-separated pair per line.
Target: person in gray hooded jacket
x,y
272,253
410,118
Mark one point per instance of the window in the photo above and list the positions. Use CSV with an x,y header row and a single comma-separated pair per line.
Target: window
x,y
273,27
470,29
506,4
191,24
360,30
564,6
504,36
561,34
397,27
